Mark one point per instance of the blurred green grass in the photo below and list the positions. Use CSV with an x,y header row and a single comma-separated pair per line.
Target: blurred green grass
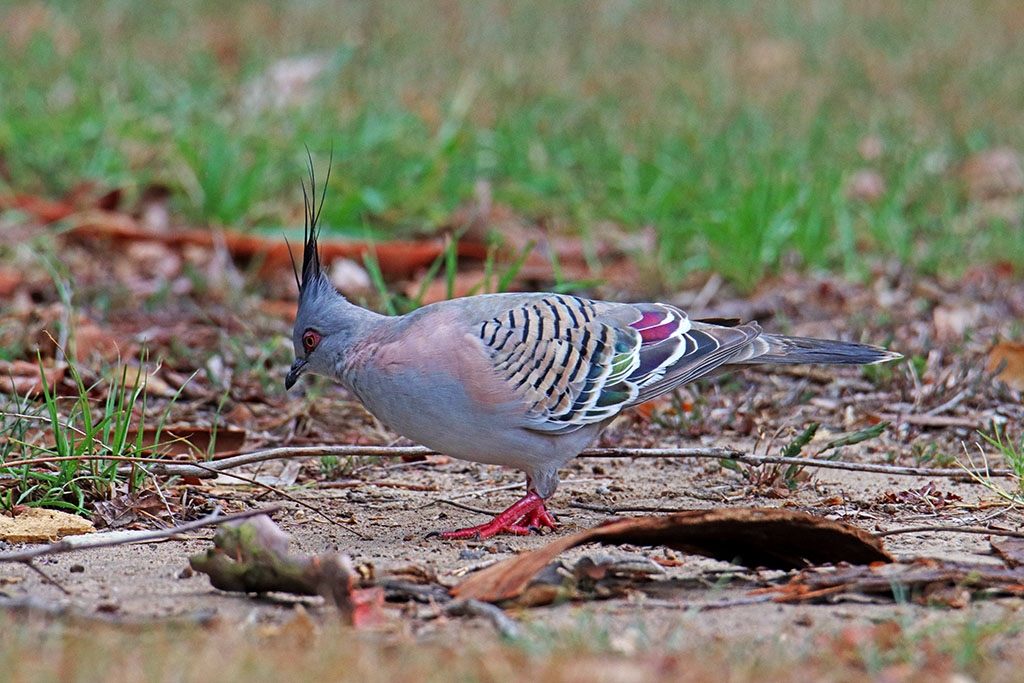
x,y
734,128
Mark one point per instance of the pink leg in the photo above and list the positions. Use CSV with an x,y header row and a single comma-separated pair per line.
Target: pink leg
x,y
525,515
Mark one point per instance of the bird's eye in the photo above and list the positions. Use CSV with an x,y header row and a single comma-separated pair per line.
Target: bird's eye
x,y
310,340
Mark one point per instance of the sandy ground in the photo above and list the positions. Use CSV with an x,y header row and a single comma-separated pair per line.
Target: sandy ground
x,y
683,606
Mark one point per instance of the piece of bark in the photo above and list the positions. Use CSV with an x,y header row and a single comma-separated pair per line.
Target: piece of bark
x,y
754,537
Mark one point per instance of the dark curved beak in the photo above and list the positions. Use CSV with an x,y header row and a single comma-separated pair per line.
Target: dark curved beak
x,y
298,367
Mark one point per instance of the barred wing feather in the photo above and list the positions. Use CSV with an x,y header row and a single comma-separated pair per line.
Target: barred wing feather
x,y
575,362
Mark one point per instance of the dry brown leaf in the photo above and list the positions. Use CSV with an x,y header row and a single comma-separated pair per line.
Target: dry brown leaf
x,y
1008,358
755,537
92,340
39,525
45,210
136,377
10,280
25,379
923,498
129,507
193,440
397,259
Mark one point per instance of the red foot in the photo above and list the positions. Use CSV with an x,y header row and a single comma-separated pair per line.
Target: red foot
x,y
524,516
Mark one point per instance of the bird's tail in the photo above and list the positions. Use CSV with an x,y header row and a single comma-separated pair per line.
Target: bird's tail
x,y
780,349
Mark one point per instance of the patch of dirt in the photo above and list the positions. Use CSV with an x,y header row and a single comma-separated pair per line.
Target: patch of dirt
x,y
152,581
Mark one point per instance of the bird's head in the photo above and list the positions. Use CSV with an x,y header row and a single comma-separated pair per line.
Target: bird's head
x,y
320,320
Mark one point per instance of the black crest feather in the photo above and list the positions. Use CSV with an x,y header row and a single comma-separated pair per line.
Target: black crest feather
x,y
311,265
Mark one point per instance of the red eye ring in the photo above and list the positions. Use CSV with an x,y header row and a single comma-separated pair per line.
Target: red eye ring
x,y
310,340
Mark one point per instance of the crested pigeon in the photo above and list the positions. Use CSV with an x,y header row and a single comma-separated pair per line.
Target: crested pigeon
x,y
522,380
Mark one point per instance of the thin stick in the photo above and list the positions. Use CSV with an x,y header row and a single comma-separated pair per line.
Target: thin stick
x,y
502,623
957,529
754,459
126,537
614,510
384,484
252,481
189,470
215,468
470,508
47,578
183,469
484,492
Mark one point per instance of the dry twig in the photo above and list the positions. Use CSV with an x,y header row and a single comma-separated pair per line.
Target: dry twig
x,y
113,538
985,531
212,468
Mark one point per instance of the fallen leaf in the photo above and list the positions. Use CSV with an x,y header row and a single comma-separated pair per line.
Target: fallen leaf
x,y
136,377
129,507
398,260
10,280
26,379
754,537
1008,359
91,340
661,405
288,472
194,440
926,498
46,210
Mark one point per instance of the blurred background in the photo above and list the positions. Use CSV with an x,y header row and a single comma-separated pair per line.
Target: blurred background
x,y
738,137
